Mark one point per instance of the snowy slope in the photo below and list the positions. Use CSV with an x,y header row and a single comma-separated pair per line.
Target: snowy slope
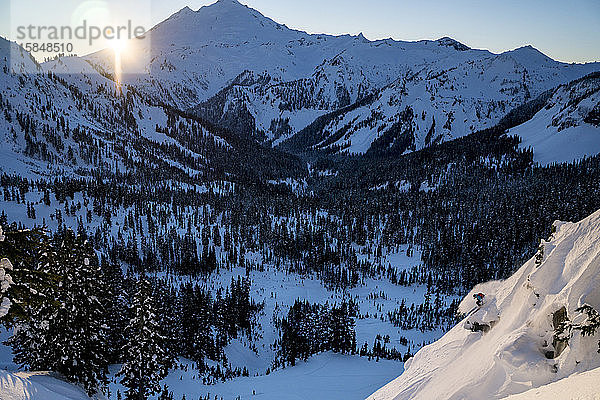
x,y
355,69
448,96
446,99
583,386
37,386
327,376
511,357
41,100
568,127
42,110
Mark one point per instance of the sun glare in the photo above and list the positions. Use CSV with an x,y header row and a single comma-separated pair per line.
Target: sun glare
x,y
118,46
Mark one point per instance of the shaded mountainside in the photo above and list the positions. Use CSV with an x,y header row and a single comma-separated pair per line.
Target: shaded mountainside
x,y
68,118
440,101
444,99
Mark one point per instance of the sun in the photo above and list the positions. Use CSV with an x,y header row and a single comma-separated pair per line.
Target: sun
x,y
118,45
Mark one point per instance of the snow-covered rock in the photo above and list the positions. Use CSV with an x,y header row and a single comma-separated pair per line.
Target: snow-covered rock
x,y
5,281
520,351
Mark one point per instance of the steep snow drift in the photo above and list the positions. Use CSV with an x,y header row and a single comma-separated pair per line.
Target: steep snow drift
x,y
509,345
582,386
37,386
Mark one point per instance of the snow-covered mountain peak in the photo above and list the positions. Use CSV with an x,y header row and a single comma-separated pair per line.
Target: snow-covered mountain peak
x,y
449,42
529,57
226,21
229,8
184,11
229,3
360,37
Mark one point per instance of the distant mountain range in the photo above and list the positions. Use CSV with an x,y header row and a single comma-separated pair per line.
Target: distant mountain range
x,y
239,69
242,73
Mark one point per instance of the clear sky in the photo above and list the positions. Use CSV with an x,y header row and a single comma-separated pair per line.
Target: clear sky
x,y
566,30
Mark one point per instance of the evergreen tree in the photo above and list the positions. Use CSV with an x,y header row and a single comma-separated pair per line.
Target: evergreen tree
x,y
26,281
145,358
196,321
67,335
168,312
116,317
343,336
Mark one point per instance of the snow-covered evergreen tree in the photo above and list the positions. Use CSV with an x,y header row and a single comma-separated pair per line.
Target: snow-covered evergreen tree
x,y
67,335
146,360
24,277
343,336
116,318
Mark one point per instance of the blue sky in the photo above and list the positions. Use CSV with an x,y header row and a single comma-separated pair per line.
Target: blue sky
x,y
567,30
